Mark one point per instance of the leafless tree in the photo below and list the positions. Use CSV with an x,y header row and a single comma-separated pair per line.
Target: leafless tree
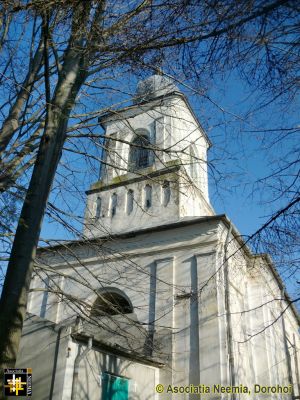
x,y
78,52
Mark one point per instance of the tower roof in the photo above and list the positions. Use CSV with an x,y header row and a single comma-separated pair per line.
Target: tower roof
x,y
154,86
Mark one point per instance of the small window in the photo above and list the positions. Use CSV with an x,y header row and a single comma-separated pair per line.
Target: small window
x,y
98,208
166,193
130,201
114,203
148,196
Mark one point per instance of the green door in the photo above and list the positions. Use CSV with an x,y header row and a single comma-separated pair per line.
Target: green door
x,y
114,387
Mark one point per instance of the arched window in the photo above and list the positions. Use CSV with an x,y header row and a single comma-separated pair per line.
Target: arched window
x,y
139,154
130,201
166,193
114,203
111,303
98,207
148,196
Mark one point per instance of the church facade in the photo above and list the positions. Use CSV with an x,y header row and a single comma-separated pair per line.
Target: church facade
x,y
161,299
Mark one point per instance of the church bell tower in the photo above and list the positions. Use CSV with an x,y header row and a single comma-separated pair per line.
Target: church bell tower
x,y
154,169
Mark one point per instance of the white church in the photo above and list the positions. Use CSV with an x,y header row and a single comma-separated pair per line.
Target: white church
x,y
161,299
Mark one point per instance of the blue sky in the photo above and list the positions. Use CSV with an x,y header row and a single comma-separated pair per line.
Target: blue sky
x,y
238,156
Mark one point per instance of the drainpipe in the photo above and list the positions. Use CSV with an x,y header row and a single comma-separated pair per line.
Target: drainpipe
x,y
78,358
228,313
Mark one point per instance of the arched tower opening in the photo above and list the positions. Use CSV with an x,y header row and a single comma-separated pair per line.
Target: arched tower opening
x,y
140,155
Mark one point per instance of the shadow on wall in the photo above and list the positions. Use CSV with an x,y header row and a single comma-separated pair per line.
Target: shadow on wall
x,y
149,342
99,384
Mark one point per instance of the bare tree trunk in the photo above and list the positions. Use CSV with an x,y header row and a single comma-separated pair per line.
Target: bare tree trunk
x,y
14,296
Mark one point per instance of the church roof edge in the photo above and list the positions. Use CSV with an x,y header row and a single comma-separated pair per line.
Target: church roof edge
x,y
180,223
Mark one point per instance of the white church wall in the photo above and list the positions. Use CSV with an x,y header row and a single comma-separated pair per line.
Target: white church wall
x,y
293,349
158,250
142,378
280,325
242,349
210,348
185,134
35,301
161,273
256,305
44,298
44,348
50,351
191,199
235,267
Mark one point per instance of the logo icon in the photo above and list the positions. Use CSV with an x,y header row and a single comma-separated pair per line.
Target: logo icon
x,y
18,382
